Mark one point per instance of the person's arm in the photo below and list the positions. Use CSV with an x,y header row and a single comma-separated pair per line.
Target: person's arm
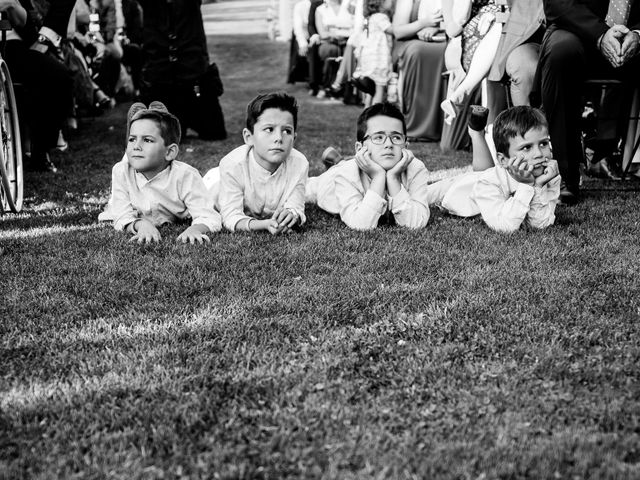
x,y
359,210
300,32
16,13
121,208
403,28
231,196
295,200
501,210
410,205
543,204
198,203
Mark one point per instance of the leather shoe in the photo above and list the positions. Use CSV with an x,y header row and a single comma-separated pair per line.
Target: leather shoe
x,y
478,117
568,196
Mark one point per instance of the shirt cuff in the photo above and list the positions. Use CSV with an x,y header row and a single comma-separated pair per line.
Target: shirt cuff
x,y
374,202
213,224
395,203
50,35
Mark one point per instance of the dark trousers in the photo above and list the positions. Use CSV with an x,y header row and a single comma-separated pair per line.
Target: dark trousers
x,y
48,88
565,63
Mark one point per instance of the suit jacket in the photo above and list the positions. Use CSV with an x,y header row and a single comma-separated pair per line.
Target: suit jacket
x,y
525,17
585,18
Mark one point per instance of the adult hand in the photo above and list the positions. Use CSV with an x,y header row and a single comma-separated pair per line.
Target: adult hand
x,y
551,171
433,19
146,232
611,44
486,21
630,46
367,165
427,33
520,170
401,166
193,235
303,48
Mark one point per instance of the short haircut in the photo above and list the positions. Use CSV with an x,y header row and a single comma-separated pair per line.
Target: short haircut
x,y
385,109
280,100
516,121
167,123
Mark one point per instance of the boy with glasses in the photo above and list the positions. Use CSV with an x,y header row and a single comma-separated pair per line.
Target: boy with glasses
x,y
383,181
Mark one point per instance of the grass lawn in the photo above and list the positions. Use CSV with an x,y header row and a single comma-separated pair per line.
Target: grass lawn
x,y
453,352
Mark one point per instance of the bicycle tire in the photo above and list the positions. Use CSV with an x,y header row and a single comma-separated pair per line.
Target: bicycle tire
x,y
12,186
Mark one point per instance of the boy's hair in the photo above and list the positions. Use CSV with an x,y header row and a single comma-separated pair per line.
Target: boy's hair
x,y
386,109
515,121
279,100
167,123
373,6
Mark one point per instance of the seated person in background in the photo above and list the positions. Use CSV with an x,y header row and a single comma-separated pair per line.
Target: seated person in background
x,y
150,188
260,185
418,52
517,54
584,39
334,23
384,180
524,185
373,52
475,35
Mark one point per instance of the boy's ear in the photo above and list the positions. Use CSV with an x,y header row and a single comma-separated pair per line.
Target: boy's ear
x,y
172,152
358,146
247,135
502,159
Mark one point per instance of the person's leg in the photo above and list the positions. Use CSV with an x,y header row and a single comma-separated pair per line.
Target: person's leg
x,y
327,53
378,97
520,67
480,65
562,65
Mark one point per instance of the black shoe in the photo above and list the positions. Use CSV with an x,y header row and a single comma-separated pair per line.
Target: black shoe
x,y
568,196
364,84
478,117
39,163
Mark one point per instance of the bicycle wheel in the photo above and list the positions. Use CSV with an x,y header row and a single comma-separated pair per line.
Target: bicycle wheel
x,y
11,189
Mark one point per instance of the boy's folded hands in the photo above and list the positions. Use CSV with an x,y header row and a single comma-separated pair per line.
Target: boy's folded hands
x,y
551,171
522,171
367,165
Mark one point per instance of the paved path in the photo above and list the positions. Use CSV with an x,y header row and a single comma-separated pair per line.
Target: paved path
x,y
236,17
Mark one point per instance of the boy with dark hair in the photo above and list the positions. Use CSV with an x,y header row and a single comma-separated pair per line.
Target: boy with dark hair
x,y
260,185
151,188
524,185
383,177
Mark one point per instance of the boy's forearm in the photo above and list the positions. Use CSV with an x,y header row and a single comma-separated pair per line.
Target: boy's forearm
x,y
251,225
379,185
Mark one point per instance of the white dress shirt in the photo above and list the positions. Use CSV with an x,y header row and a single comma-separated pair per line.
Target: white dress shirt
x,y
247,190
176,193
503,202
344,190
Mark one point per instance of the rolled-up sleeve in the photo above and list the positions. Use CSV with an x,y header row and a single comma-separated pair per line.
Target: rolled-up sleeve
x,y
295,201
231,196
543,205
410,206
121,208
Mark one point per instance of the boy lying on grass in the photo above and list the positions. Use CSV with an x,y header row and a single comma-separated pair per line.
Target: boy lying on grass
x,y
523,187
260,185
383,181
150,188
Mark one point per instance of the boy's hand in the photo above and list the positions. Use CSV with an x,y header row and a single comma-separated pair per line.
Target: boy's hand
x,y
194,234
401,166
367,165
551,171
520,170
146,232
273,226
286,218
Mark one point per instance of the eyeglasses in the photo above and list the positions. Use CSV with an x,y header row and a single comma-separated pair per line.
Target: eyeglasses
x,y
379,138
